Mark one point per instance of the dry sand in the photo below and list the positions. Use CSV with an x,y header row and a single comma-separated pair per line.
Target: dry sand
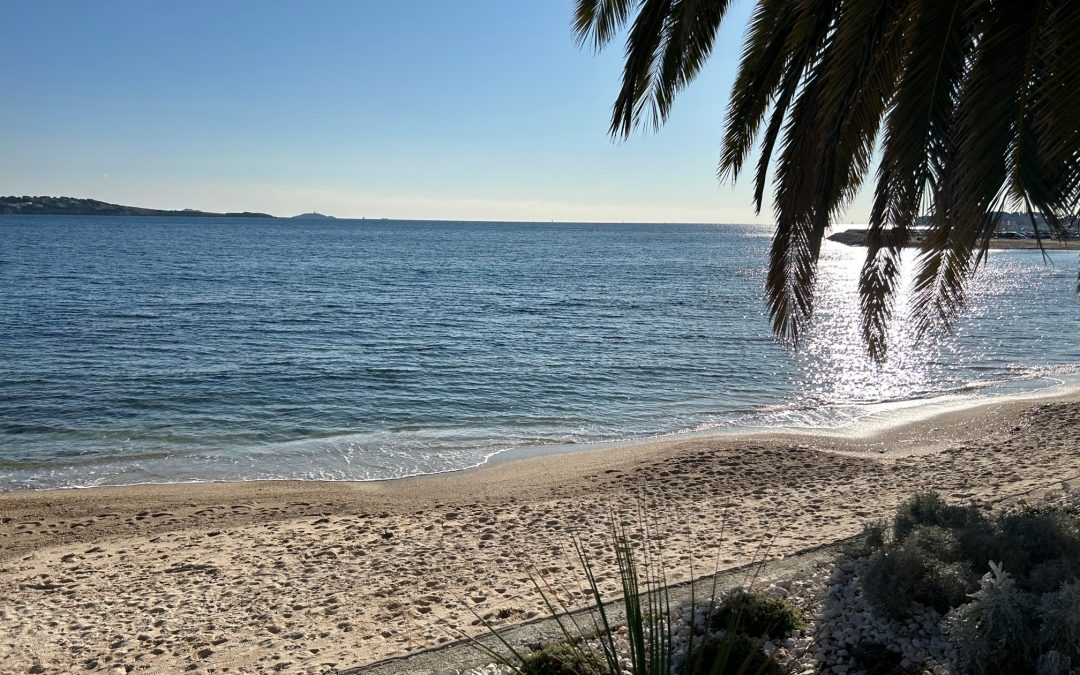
x,y
310,577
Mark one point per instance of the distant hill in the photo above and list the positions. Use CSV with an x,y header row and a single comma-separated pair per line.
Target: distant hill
x,y
73,206
313,216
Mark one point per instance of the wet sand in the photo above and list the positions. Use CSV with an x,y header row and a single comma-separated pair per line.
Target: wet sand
x,y
311,577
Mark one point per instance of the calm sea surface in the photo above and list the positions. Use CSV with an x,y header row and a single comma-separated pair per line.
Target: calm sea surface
x,y
158,350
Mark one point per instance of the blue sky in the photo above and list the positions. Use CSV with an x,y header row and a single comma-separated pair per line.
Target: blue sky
x,y
478,109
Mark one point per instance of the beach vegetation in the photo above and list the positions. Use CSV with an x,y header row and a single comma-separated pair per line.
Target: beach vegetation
x,y
928,508
1008,582
732,653
874,535
927,568
995,632
966,107
1059,614
560,658
644,641
754,614
937,552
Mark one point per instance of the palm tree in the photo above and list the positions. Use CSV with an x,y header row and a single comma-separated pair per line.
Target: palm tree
x,y
973,105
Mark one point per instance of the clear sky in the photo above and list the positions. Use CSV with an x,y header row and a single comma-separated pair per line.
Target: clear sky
x,y
474,109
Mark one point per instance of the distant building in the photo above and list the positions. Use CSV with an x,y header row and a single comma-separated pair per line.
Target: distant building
x,y
1018,225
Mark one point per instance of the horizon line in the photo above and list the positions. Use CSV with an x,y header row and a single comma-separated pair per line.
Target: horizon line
x,y
375,218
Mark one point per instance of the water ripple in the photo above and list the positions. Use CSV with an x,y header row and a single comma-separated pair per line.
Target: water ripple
x,y
150,350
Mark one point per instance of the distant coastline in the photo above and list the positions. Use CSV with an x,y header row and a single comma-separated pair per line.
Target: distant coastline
x,y
857,237
74,206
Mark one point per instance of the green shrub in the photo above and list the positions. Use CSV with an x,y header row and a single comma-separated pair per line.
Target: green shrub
x,y
938,552
561,659
875,535
934,541
1060,614
756,615
1024,621
882,587
927,568
995,632
980,544
732,654
1049,576
929,509
1040,546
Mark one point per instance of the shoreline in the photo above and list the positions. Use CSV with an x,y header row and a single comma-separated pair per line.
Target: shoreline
x,y
888,416
245,577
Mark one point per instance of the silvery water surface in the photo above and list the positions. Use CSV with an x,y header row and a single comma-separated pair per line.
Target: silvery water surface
x,y
140,350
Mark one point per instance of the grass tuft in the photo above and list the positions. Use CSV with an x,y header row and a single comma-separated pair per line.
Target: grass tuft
x,y
649,623
561,658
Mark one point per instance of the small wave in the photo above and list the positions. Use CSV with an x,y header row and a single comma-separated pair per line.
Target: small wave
x,y
30,464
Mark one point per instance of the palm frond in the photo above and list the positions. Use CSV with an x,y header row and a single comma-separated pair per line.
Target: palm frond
x,y
974,178
915,143
689,35
975,103
666,46
633,102
834,127
761,72
600,20
1045,168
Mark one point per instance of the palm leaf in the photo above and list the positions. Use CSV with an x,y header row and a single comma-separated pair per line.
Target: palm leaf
x,y
936,45
976,103
975,172
600,20
763,68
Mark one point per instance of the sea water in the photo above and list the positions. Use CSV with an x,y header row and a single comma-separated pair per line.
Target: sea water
x,y
143,350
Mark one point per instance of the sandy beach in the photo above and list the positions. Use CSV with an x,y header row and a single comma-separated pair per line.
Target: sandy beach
x,y
312,577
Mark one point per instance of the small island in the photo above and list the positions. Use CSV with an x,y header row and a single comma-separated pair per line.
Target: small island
x,y
74,206
313,216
